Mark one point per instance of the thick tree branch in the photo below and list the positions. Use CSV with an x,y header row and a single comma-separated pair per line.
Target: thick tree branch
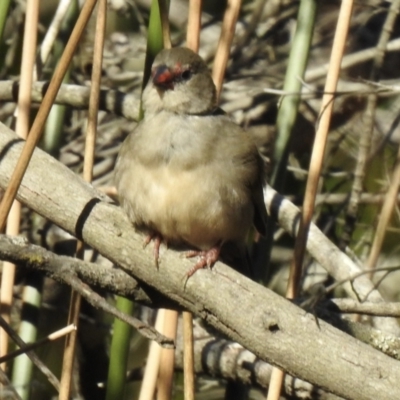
x,y
263,322
66,269
336,263
214,356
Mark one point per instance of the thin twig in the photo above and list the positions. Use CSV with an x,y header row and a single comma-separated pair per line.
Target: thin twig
x,y
31,354
71,271
368,308
31,346
99,302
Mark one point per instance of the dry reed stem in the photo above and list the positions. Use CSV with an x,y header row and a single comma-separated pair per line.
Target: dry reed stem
x,y
192,42
171,317
7,279
225,41
90,143
149,380
162,5
277,375
43,112
319,145
22,129
167,357
188,355
275,383
147,390
193,25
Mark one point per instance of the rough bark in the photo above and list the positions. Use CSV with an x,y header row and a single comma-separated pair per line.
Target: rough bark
x,y
271,327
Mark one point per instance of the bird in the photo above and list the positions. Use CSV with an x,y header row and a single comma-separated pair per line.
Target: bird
x,y
188,174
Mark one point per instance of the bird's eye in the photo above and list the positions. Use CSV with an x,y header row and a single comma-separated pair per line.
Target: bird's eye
x,y
186,74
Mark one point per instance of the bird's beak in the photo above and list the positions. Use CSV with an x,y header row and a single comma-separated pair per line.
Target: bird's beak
x,y
163,77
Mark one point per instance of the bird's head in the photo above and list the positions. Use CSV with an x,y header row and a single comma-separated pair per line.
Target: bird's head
x,y
181,83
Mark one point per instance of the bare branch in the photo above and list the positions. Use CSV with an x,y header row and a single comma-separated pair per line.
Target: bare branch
x,y
222,358
263,322
114,101
31,354
65,269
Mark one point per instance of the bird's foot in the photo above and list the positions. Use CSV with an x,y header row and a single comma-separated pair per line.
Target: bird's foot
x,y
207,259
158,239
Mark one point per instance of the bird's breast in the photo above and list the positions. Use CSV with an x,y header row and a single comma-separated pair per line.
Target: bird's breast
x,y
186,179
187,205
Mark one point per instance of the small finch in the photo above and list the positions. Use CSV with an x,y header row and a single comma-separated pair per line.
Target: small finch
x,y
188,174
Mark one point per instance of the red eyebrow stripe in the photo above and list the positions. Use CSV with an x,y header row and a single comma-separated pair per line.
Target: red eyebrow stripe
x,y
162,75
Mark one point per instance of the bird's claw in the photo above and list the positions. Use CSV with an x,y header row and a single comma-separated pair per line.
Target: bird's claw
x,y
158,239
207,259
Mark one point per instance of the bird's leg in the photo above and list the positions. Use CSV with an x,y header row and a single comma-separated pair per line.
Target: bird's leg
x,y
207,258
158,239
